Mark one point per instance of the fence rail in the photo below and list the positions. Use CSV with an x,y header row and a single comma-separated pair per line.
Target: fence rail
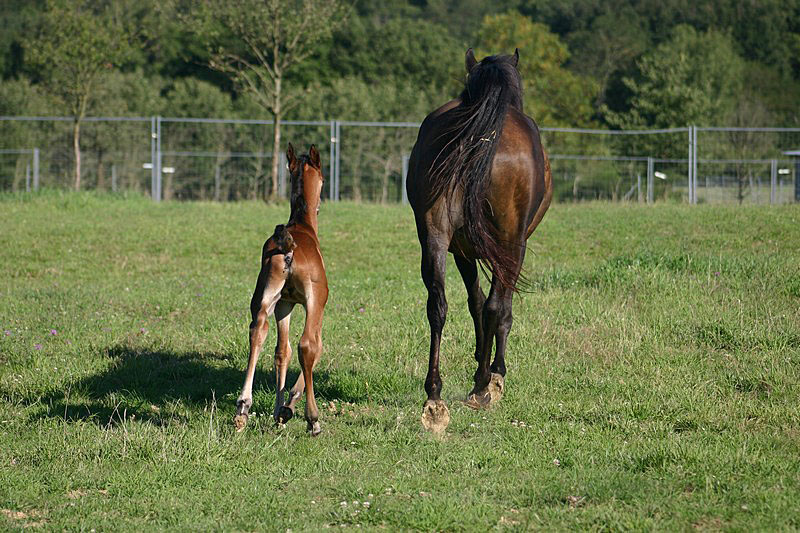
x,y
170,158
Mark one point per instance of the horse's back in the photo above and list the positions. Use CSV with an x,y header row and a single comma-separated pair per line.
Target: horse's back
x,y
520,187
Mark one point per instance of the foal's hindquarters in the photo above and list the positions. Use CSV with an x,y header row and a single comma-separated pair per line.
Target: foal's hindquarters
x,y
292,272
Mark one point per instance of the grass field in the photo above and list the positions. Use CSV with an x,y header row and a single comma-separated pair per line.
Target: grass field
x,y
654,374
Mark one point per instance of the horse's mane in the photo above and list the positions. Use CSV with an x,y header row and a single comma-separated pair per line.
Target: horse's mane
x,y
492,87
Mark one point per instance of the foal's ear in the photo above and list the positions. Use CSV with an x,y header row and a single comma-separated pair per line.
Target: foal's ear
x,y
291,158
515,58
314,155
471,61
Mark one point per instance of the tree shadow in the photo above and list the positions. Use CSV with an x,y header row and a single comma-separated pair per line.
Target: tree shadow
x,y
163,386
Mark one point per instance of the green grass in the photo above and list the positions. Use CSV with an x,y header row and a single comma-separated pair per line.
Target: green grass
x,y
654,374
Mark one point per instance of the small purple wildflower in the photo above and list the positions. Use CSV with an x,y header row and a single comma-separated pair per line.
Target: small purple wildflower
x,y
716,273
360,309
37,346
53,332
143,330
7,332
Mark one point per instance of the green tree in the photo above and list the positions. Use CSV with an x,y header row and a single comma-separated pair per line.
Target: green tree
x,y
556,96
259,42
413,52
462,18
609,45
76,41
691,79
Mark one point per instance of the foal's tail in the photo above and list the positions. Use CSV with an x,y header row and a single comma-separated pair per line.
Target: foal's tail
x,y
283,240
490,91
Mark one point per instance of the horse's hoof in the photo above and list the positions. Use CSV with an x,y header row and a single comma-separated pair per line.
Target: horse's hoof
x,y
314,429
490,394
283,415
240,421
435,416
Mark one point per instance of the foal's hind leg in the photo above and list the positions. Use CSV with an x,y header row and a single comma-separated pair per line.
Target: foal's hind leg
x,y
310,350
268,291
283,355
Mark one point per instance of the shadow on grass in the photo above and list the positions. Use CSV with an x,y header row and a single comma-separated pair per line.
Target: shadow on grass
x,y
164,386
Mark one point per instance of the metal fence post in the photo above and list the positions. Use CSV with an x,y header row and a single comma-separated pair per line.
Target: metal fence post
x,y
153,136
338,161
28,177
403,191
773,181
332,159
157,196
113,178
35,169
689,164
694,165
649,180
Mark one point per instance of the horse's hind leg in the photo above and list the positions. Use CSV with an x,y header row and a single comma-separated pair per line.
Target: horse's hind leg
x,y
468,269
489,380
283,355
266,295
504,321
435,415
287,411
310,350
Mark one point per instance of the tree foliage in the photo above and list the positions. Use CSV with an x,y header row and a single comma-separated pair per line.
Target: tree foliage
x,y
585,62
553,95
691,79
75,43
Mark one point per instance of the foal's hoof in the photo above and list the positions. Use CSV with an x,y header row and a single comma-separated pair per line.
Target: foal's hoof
x,y
283,415
314,429
240,421
435,416
489,395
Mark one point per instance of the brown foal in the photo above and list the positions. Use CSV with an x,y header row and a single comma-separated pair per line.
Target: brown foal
x,y
292,272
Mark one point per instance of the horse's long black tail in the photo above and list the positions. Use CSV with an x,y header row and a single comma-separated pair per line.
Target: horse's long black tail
x,y
478,124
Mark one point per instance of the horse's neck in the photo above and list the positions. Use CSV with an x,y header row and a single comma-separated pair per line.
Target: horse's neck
x,y
312,200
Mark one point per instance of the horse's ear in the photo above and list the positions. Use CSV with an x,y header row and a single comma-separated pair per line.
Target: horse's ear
x,y
313,153
470,62
291,158
515,59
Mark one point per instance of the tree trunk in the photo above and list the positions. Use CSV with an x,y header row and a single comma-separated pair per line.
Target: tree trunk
x,y
259,170
276,139
76,144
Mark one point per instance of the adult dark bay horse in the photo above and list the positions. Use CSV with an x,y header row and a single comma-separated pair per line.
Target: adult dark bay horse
x,y
292,272
479,183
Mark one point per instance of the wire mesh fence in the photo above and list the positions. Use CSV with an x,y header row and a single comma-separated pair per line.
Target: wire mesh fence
x,y
229,160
